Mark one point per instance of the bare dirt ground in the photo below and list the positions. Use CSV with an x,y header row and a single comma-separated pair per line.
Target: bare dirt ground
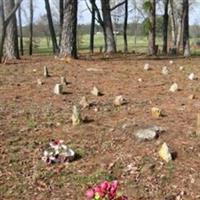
x,y
31,116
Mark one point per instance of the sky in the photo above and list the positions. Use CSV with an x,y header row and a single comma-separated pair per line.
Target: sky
x,y
84,14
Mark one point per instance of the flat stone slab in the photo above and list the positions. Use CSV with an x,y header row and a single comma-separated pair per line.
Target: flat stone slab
x,y
149,134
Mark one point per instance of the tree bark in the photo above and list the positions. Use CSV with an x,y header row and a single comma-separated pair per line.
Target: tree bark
x,y
51,28
125,27
165,26
11,40
20,31
152,28
69,29
173,25
186,40
61,6
31,29
108,28
92,28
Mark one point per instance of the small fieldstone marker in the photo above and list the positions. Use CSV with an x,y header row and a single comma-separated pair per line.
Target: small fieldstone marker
x,y
140,80
76,116
191,97
165,153
84,103
198,125
156,112
165,70
46,72
174,87
171,62
119,100
95,91
181,68
192,77
147,67
40,82
58,89
63,80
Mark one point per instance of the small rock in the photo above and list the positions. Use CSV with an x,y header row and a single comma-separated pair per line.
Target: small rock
x,y
40,82
58,89
46,73
174,87
147,67
34,70
156,112
63,80
165,153
192,77
76,116
165,70
140,80
171,62
95,91
191,97
146,135
84,103
94,70
119,100
149,133
181,68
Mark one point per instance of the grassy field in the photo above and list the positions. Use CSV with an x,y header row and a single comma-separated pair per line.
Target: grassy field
x,y
138,44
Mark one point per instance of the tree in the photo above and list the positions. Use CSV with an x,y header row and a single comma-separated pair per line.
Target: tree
x,y
186,41
51,27
92,27
125,27
165,26
20,31
4,23
31,28
110,40
61,4
11,40
69,29
150,8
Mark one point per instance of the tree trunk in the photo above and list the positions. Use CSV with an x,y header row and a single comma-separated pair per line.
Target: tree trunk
x,y
108,28
3,33
69,29
61,6
179,34
125,27
165,27
31,29
152,29
92,28
20,31
51,27
173,25
11,40
186,40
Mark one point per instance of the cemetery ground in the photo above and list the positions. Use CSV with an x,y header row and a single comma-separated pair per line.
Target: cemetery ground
x,y
31,115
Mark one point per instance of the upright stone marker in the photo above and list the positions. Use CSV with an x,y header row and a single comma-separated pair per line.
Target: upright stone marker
x,y
58,89
76,116
46,73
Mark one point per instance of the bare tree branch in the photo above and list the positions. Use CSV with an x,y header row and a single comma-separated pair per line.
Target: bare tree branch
x,y
118,5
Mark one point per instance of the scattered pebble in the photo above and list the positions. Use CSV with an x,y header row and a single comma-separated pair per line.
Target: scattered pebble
x,y
156,112
171,62
192,77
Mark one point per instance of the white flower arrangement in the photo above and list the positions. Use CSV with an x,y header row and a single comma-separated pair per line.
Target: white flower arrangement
x,y
58,152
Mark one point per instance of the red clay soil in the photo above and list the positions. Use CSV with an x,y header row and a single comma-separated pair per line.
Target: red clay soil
x,y
31,116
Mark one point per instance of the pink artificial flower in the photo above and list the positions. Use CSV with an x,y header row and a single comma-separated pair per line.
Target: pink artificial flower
x,y
90,194
99,191
105,186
